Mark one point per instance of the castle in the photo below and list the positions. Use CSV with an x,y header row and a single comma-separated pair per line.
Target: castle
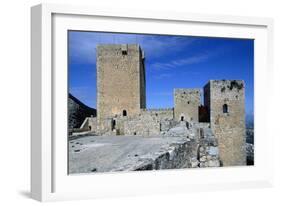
x,y
121,105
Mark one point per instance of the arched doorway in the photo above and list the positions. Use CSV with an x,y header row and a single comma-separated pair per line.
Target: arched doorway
x,y
113,126
124,113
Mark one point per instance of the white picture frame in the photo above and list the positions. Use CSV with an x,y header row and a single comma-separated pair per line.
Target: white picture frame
x,y
49,179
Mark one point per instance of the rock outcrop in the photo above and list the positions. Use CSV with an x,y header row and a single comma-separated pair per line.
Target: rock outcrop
x,y
77,112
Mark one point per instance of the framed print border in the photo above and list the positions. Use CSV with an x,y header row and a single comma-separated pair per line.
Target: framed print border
x,y
49,23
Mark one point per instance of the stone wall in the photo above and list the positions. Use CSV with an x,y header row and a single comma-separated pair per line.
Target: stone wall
x,y
149,122
227,118
120,80
178,155
208,152
144,125
77,112
187,102
105,127
199,148
89,124
160,114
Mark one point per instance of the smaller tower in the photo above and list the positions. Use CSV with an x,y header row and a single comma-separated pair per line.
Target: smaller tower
x,y
187,102
226,106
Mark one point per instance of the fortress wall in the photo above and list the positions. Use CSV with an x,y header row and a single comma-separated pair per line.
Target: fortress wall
x,y
187,102
104,126
160,114
148,122
227,119
144,125
177,155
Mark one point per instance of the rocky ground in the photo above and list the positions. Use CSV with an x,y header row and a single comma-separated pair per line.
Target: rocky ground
x,y
126,153
183,146
180,147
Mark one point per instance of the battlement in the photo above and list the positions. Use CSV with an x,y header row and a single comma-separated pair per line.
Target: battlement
x,y
238,84
111,50
187,90
227,88
157,110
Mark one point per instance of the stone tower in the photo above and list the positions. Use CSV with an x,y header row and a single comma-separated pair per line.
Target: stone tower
x,y
187,102
120,80
225,102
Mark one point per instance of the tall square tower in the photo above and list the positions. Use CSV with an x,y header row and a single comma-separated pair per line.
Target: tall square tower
x,y
225,100
120,80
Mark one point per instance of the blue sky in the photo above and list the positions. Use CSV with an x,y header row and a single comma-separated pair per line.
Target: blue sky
x,y
171,62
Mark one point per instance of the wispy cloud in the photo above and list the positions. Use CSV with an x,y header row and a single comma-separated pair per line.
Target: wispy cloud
x,y
155,46
162,76
189,60
83,45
